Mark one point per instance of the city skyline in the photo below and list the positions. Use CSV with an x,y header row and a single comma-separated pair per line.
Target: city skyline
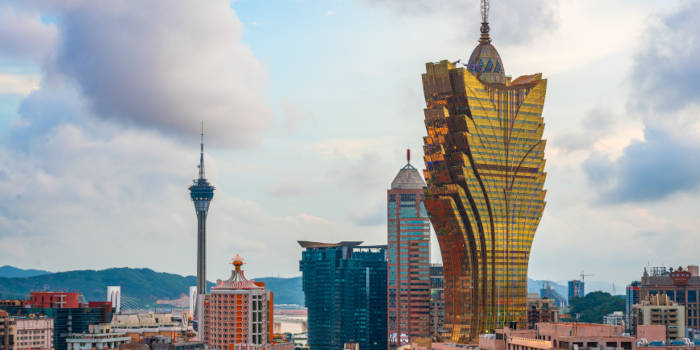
x,y
70,147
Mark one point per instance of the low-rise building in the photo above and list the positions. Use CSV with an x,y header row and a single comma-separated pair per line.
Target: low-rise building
x,y
144,325
100,336
540,310
615,318
34,333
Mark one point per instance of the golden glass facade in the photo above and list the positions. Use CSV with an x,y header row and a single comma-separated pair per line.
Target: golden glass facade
x,y
484,157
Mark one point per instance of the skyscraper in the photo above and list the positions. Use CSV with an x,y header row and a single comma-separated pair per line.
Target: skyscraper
x,y
345,294
484,157
409,257
202,194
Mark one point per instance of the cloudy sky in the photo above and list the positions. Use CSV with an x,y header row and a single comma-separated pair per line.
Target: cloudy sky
x,y
308,108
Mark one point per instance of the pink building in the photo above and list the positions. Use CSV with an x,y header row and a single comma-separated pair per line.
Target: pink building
x,y
568,336
408,254
238,313
34,333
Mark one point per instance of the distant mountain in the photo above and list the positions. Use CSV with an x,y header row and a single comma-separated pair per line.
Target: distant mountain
x,y
11,271
534,286
140,287
286,290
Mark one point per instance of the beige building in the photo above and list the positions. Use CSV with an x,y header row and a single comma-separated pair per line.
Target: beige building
x,y
540,310
658,309
34,333
8,331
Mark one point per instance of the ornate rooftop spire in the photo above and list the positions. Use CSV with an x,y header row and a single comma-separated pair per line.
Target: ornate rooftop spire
x,y
485,6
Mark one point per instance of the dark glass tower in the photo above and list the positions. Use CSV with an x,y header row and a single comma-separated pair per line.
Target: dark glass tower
x,y
345,294
202,193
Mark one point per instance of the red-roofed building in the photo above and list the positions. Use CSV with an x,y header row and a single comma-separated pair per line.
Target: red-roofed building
x,y
238,311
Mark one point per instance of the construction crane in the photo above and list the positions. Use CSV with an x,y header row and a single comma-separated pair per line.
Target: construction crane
x,y
583,276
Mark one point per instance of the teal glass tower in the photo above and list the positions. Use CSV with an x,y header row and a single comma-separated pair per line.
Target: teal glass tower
x,y
202,193
345,294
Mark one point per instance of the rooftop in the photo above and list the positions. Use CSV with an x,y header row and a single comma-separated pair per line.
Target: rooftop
x,y
309,244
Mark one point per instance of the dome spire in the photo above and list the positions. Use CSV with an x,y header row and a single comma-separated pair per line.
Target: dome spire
x,y
485,6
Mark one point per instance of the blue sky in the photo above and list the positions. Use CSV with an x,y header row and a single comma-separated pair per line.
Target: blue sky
x,y
309,107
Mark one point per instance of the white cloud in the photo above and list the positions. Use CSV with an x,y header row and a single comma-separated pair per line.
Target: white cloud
x,y
18,84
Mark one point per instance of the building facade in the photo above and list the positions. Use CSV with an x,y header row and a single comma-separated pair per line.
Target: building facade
x,y
658,309
67,320
345,293
576,289
682,286
99,336
541,310
615,318
8,331
59,300
408,256
34,333
238,311
437,302
631,298
484,157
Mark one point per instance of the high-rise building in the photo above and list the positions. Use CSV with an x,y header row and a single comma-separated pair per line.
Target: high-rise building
x,y
682,286
409,257
484,157
202,193
238,311
631,298
345,293
576,289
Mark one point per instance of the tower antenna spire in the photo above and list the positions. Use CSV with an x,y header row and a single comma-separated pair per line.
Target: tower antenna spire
x,y
485,7
201,153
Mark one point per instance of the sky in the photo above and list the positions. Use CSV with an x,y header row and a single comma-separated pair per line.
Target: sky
x,y
308,108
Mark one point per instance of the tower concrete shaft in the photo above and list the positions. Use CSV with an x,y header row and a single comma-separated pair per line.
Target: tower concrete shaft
x,y
202,252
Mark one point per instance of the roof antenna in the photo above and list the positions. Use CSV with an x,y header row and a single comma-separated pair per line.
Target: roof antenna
x,y
201,153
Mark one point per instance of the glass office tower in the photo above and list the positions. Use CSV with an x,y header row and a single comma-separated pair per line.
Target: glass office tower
x,y
345,294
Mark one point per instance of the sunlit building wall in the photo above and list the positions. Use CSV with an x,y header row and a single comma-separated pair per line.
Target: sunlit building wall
x,y
484,157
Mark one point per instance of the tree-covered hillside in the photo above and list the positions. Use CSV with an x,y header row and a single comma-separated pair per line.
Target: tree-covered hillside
x,y
595,305
140,287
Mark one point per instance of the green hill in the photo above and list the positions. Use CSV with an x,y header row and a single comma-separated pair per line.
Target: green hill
x,y
595,305
141,287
